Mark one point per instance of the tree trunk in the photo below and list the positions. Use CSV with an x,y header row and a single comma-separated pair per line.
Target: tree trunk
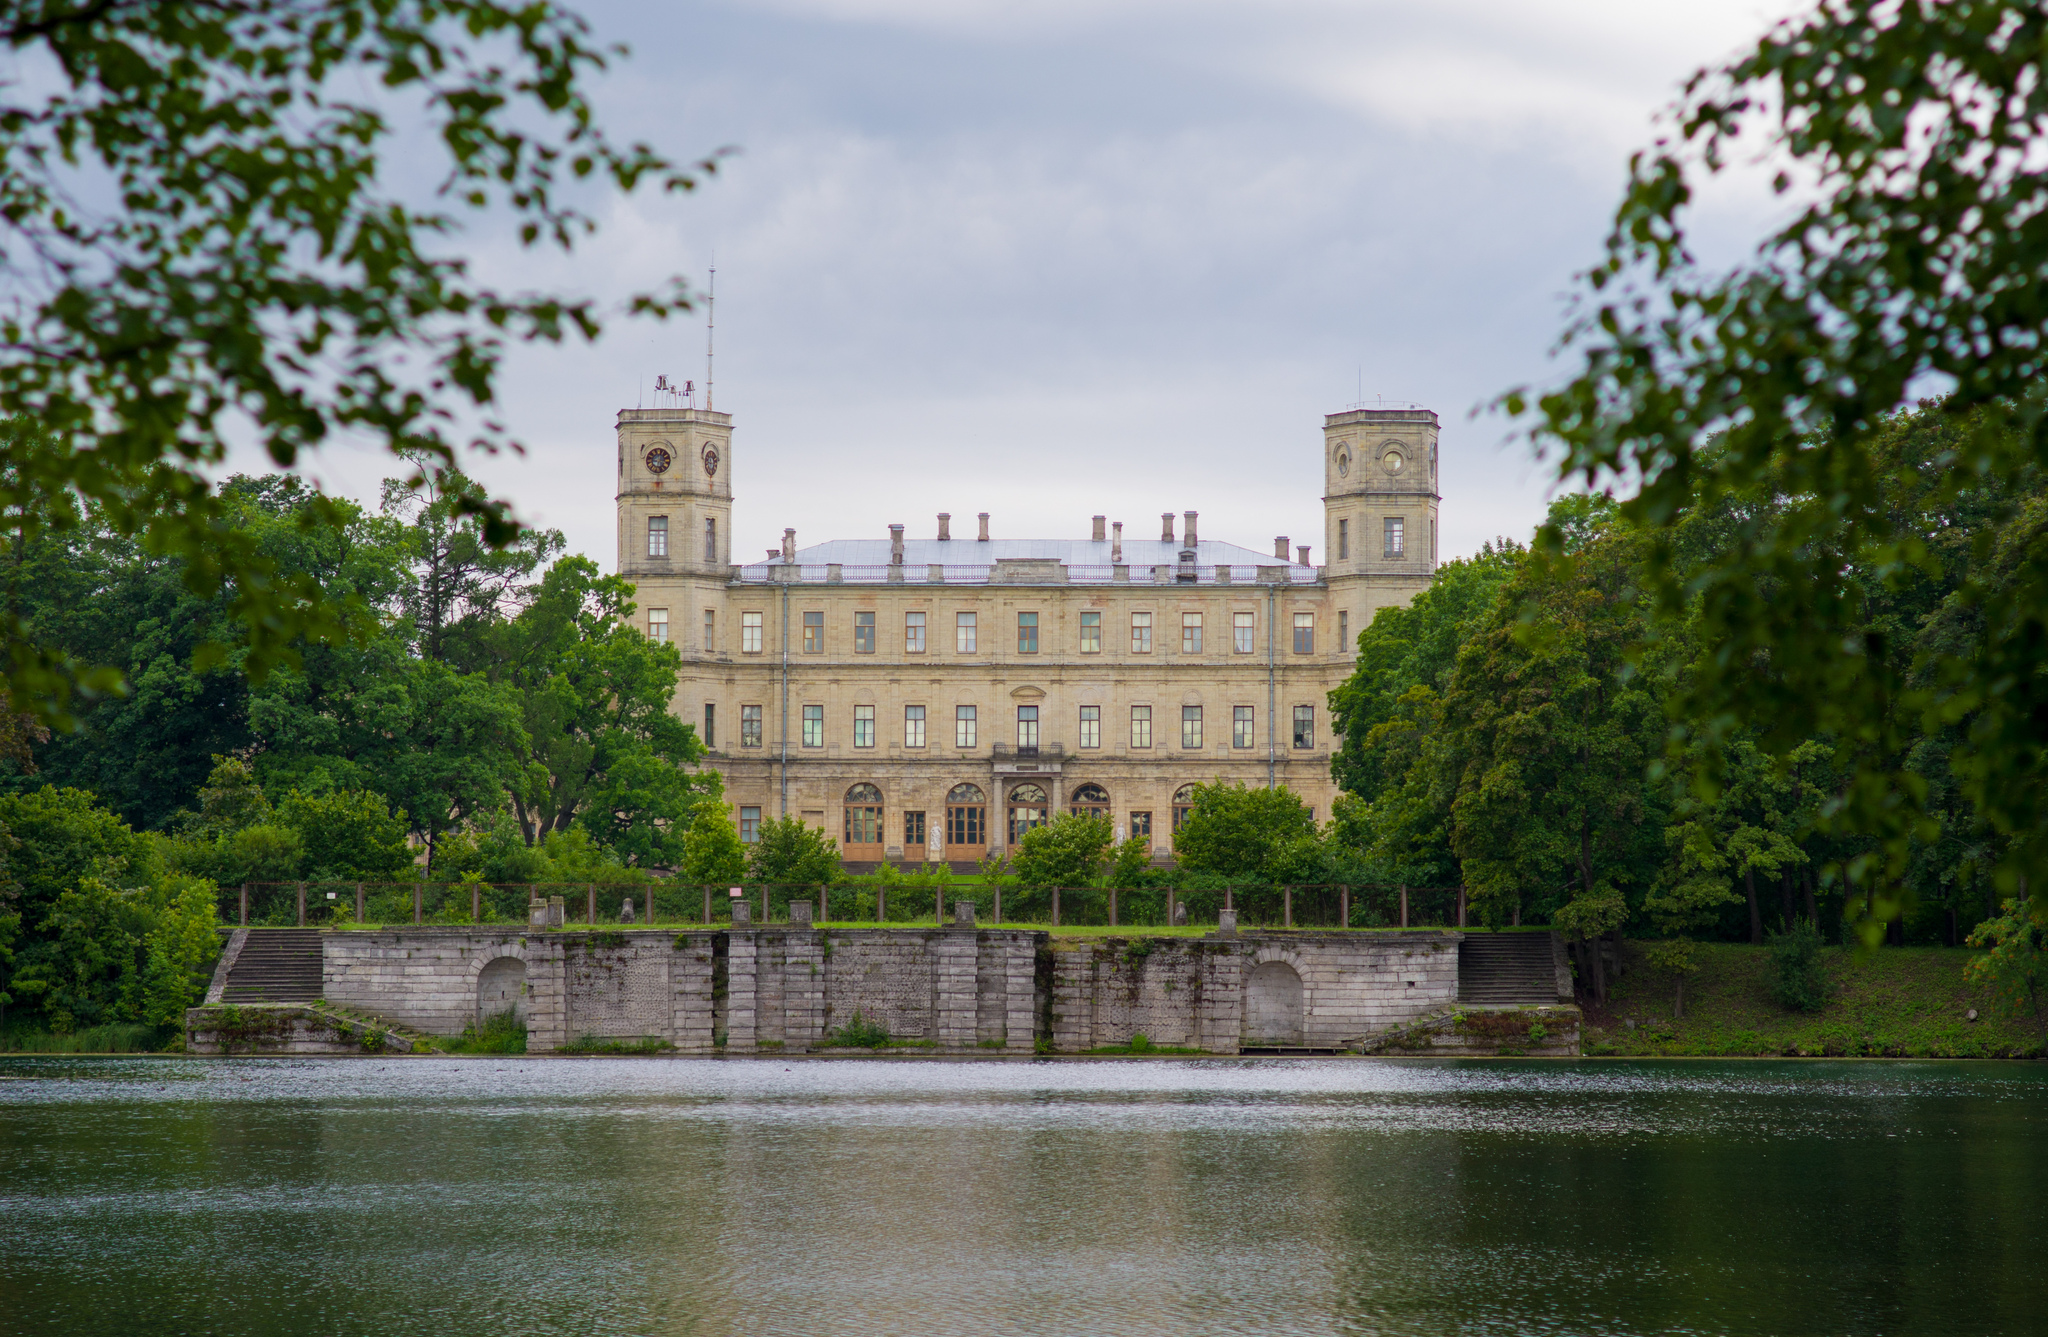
x,y
1678,1002
1756,914
1812,910
1785,900
1954,930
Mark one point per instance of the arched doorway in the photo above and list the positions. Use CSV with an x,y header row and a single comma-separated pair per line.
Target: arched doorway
x,y
1090,801
863,824
501,987
1272,1005
966,823
1183,803
1028,808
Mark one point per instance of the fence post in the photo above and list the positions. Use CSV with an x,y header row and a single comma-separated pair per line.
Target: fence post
x,y
1344,904
245,905
939,903
1228,904
1112,907
1287,903
707,902
476,902
1404,905
1169,907
1461,905
764,902
359,902
999,903
590,903
302,905
824,901
1055,907
881,903
419,891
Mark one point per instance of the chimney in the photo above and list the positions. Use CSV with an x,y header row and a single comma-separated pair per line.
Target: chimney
x,y
774,553
1280,547
789,545
1116,546
984,527
1097,536
1188,539
945,527
1166,527
895,545
1303,550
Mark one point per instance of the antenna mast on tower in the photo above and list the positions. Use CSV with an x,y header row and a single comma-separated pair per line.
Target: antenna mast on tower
x,y
710,333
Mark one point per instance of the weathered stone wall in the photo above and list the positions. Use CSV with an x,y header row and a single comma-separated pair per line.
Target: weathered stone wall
x,y
784,988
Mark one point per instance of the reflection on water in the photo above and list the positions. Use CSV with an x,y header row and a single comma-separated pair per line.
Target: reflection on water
x,y
501,1196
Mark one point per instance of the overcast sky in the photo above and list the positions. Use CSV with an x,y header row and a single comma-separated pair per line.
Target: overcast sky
x,y
1050,259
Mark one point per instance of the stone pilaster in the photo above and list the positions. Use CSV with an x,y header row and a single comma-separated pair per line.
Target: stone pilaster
x,y
689,976
953,994
1221,1021
1020,966
742,994
1073,1009
803,989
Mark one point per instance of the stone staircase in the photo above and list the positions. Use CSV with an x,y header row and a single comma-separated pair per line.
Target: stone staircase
x,y
275,965
1507,969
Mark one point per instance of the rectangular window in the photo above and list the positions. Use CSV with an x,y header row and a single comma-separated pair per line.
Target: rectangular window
x,y
863,633
1304,633
1242,734
750,633
1396,540
814,726
913,726
1191,633
711,540
1141,726
1027,633
814,633
657,625
1343,632
657,536
1242,626
1027,727
1343,539
1304,726
750,726
1141,633
710,725
963,633
863,726
913,831
710,632
913,633
963,726
1191,727
1141,827
1091,726
750,825
1091,633
964,823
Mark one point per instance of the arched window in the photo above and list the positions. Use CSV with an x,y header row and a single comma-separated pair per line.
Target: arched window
x,y
1028,808
863,817
1183,803
966,822
1090,801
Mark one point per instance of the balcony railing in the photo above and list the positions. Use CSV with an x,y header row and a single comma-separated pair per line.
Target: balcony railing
x,y
837,573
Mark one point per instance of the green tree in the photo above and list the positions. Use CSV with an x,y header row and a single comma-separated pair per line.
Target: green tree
x,y
1914,259
712,852
2015,968
1236,831
348,835
1068,851
787,851
253,272
177,950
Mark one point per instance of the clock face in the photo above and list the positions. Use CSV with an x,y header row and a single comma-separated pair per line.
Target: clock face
x,y
1393,461
1343,464
710,462
658,460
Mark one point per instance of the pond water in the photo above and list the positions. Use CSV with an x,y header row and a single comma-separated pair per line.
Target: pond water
x,y
512,1196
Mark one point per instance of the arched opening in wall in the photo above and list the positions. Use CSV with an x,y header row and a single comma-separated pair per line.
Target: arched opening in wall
x,y
1272,1006
1183,804
1028,808
501,987
863,824
966,823
1090,801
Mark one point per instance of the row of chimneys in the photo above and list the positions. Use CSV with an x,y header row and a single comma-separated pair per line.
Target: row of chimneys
x,y
1116,554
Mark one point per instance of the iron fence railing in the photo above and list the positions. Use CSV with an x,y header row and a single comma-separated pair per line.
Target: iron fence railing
x,y
665,901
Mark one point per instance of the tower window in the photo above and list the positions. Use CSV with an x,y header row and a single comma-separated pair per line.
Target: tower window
x,y
657,536
1343,631
1343,539
1396,540
657,625
711,540
710,725
710,631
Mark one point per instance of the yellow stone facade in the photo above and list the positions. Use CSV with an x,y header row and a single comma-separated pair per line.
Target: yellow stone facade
x,y
930,698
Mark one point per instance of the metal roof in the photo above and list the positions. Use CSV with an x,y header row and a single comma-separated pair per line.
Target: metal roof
x,y
1068,552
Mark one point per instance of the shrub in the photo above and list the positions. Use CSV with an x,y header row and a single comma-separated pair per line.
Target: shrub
x,y
499,1033
1795,954
858,1033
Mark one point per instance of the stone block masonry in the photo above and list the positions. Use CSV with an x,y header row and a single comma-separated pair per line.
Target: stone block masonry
x,y
785,988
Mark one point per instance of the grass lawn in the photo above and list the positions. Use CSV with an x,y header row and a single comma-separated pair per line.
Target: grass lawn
x,y
1900,1002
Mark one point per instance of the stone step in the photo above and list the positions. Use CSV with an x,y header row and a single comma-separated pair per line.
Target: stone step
x,y
1506,968
276,966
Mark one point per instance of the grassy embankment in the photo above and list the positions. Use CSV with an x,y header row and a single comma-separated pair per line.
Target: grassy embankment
x,y
1897,1002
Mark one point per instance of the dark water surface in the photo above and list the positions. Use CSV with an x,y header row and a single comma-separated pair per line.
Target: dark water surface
x,y
512,1196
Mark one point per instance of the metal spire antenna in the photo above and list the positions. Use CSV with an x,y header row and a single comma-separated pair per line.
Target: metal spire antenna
x,y
710,333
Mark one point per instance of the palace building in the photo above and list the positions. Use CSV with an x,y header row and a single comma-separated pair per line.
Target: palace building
x,y
933,698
